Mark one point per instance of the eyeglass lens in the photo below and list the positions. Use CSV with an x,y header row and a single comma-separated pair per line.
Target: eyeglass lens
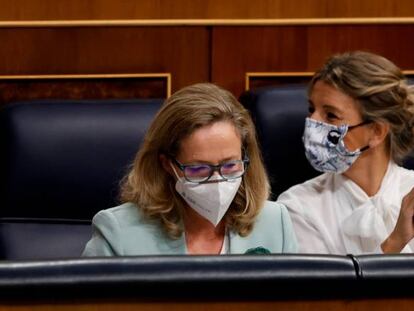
x,y
201,172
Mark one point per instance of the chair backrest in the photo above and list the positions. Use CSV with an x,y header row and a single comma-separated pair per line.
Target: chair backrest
x,y
279,114
61,162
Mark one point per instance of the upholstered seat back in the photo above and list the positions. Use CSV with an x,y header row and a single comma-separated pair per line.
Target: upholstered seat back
x,y
279,114
60,163
64,159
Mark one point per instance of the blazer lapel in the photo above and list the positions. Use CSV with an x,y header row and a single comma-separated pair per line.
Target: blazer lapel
x,y
169,246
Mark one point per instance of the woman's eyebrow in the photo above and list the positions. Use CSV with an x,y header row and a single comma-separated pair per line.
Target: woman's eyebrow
x,y
230,158
330,107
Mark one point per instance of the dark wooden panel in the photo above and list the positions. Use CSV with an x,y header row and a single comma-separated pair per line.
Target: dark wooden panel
x,y
188,54
265,79
392,41
238,50
400,304
181,51
12,90
191,9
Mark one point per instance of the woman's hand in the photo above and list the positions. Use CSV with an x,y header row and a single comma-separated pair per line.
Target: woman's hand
x,y
404,229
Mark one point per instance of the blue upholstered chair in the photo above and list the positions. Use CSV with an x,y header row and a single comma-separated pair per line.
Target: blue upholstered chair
x,y
61,162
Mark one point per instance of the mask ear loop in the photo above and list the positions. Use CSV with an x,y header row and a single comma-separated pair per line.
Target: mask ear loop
x,y
357,125
175,172
334,135
245,156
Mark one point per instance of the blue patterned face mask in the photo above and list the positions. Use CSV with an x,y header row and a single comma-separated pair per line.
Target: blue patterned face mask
x,y
325,148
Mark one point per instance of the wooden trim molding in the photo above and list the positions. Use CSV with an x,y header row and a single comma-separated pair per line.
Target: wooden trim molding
x,y
408,72
166,76
250,75
304,74
209,22
15,88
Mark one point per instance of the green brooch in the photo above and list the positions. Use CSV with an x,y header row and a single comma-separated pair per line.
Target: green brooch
x,y
257,251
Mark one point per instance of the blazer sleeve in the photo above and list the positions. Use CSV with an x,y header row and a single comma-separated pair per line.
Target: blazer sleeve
x,y
290,244
104,237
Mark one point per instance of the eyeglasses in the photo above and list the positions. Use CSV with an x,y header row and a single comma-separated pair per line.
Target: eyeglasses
x,y
200,173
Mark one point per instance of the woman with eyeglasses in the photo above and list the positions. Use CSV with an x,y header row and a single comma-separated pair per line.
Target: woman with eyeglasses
x,y
359,129
197,186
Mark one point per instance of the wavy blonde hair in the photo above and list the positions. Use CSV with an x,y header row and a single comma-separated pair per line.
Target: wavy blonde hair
x,y
152,189
381,90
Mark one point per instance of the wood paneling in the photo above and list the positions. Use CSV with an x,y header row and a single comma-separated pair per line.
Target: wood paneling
x,y
177,9
263,79
23,88
316,305
392,41
219,54
181,51
238,50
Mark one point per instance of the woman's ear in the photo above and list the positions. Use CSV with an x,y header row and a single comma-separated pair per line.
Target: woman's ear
x,y
166,164
380,133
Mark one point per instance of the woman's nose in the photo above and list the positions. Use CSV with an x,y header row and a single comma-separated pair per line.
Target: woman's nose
x,y
216,175
315,116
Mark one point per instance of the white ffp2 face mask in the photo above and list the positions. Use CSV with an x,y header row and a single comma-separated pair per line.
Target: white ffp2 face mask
x,y
211,200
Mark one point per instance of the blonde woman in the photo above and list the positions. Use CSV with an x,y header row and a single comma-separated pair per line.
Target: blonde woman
x,y
360,127
197,186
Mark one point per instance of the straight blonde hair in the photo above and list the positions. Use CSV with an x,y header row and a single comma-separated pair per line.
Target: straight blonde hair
x,y
152,189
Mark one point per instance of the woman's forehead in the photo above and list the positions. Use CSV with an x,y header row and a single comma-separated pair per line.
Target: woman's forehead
x,y
325,95
218,140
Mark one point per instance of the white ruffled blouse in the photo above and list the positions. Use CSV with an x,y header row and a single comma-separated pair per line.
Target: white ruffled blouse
x,y
331,214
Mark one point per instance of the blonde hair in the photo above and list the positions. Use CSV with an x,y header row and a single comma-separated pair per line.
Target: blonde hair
x,y
381,90
152,189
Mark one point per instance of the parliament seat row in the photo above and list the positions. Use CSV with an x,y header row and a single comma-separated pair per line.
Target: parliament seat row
x,y
209,278
62,161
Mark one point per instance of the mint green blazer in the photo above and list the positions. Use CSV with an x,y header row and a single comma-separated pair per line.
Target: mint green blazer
x,y
122,231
